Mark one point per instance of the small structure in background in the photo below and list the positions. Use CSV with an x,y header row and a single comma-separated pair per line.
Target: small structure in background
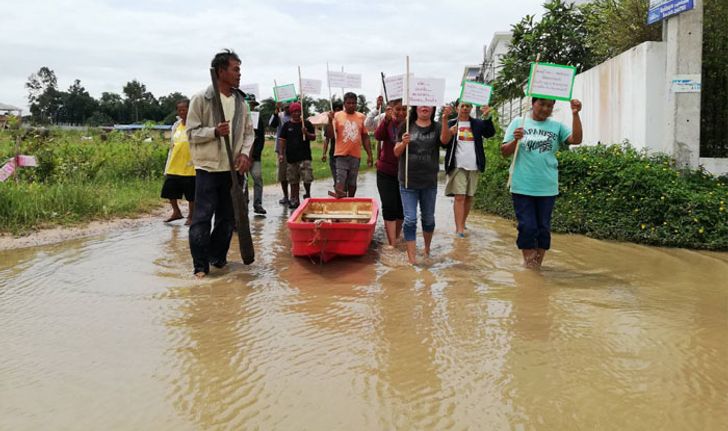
x,y
165,130
5,112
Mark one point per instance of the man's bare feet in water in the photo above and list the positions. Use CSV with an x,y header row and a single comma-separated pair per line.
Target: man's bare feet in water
x,y
173,217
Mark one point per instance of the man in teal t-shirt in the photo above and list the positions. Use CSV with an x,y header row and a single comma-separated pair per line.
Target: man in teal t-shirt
x,y
535,179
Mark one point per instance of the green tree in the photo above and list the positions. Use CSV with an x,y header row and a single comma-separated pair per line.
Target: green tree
x,y
615,26
112,105
43,96
324,105
361,104
267,108
78,105
168,106
308,103
141,104
39,82
714,109
560,37
99,118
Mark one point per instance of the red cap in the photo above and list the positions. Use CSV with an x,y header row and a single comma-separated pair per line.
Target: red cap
x,y
295,106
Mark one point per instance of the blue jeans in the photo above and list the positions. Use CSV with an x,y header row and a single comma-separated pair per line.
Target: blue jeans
x,y
427,199
534,220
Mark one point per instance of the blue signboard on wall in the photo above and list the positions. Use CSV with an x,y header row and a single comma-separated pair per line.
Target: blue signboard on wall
x,y
661,9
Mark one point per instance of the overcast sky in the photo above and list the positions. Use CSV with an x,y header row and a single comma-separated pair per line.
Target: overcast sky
x,y
167,45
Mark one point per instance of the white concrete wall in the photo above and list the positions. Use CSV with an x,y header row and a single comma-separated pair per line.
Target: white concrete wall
x,y
714,165
623,99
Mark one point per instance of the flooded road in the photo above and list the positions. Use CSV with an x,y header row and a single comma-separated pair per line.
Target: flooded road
x,y
113,333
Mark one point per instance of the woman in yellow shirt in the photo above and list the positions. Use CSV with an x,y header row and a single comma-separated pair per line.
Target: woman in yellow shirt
x,y
179,172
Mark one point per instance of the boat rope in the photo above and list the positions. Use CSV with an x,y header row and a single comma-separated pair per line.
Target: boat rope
x,y
318,237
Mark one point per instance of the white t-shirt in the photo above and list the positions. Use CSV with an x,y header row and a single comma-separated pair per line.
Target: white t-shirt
x,y
465,152
228,108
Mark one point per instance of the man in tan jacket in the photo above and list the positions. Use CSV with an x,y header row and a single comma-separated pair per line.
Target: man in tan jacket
x,y
209,156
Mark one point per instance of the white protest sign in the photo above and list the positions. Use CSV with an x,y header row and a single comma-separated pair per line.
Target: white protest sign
x,y
311,86
353,80
551,81
344,80
253,89
427,92
337,79
475,93
285,93
255,117
395,86
7,170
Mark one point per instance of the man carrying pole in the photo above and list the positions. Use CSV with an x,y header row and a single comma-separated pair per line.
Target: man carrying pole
x,y
212,165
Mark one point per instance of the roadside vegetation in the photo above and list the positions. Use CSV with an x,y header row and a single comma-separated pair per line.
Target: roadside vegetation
x,y
618,193
92,175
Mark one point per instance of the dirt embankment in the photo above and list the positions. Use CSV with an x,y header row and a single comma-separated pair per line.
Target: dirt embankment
x,y
60,234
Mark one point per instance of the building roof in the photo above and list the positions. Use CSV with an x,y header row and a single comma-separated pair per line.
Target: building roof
x,y
6,107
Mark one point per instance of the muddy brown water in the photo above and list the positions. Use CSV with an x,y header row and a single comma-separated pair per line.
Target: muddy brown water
x,y
112,332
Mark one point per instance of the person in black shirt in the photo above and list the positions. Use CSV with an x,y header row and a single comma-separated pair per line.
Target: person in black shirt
x,y
256,172
296,145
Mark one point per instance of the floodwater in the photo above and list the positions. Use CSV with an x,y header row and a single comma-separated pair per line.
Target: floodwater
x,y
113,333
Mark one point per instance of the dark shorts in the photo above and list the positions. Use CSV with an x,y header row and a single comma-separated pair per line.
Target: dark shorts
x,y
388,187
347,171
176,186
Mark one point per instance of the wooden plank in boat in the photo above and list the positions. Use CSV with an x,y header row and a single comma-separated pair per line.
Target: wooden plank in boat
x,y
329,216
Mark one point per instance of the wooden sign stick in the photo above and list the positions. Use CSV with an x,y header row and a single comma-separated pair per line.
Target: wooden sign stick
x,y
331,99
303,121
406,149
523,122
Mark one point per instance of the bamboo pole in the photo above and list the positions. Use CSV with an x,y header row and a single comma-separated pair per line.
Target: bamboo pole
x,y
342,88
303,121
523,122
331,100
407,121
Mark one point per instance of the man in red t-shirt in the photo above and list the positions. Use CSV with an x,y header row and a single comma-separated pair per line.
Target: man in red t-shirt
x,y
350,135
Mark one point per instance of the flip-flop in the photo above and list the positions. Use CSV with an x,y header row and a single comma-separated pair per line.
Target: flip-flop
x,y
173,218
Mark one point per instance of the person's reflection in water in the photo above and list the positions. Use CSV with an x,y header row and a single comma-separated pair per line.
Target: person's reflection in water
x,y
170,262
532,366
213,344
408,355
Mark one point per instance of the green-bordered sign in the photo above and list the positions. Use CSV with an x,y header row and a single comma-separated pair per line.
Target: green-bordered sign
x,y
475,93
551,81
285,93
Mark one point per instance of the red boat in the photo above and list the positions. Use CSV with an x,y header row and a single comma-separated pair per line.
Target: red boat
x,y
329,227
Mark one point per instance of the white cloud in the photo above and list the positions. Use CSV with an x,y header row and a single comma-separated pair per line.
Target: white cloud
x,y
167,45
